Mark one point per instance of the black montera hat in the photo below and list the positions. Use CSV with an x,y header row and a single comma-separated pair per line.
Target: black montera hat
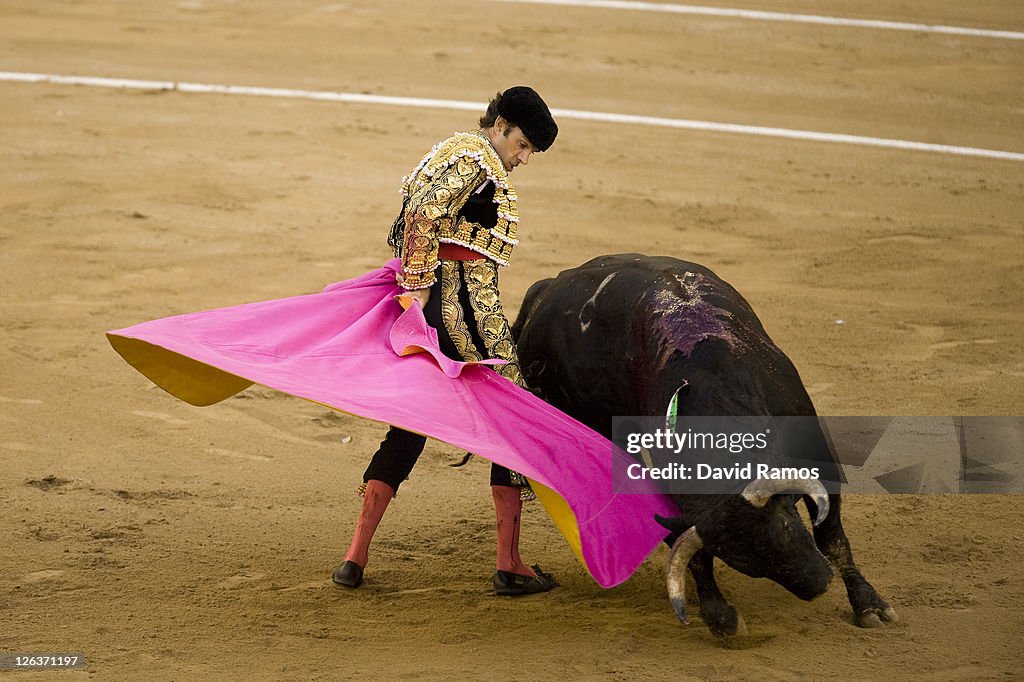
x,y
522,106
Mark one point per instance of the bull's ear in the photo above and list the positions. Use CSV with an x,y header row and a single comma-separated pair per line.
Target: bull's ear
x,y
675,525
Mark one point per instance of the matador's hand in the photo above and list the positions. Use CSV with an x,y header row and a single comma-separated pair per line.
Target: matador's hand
x,y
421,296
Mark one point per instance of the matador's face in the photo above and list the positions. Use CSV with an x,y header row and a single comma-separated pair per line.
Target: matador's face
x,y
512,146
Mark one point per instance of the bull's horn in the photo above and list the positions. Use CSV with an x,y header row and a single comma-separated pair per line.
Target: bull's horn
x,y
760,491
688,544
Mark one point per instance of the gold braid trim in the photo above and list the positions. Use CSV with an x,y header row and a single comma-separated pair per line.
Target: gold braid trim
x,y
452,314
492,325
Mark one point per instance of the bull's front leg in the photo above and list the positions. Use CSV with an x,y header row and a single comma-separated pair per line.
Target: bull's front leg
x,y
719,615
869,609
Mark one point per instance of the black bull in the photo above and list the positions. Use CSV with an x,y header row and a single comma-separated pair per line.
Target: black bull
x,y
620,335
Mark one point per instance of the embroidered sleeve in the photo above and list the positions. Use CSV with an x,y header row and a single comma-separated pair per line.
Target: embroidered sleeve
x,y
419,252
437,190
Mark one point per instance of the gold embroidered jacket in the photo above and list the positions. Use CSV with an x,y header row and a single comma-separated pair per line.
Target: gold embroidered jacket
x,y
464,169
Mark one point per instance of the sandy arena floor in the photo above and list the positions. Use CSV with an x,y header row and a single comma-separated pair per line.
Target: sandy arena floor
x,y
169,542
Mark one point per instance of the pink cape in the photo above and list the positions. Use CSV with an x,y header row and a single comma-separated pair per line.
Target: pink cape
x,y
353,348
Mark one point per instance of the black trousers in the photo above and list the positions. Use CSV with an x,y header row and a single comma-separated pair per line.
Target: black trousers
x,y
398,452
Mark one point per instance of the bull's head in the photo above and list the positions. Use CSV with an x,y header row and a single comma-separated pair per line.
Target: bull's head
x,y
759,534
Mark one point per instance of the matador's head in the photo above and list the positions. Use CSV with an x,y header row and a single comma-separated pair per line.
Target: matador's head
x,y
518,123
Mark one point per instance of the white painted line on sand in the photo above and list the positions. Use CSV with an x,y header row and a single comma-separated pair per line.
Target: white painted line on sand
x,y
808,135
359,98
129,84
776,16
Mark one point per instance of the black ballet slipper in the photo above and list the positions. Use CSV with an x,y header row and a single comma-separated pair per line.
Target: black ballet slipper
x,y
513,585
349,574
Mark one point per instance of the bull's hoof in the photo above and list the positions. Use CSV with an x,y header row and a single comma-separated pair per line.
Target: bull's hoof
x,y
741,627
877,617
724,622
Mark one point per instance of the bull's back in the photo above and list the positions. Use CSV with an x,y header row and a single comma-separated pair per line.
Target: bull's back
x,y
618,334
